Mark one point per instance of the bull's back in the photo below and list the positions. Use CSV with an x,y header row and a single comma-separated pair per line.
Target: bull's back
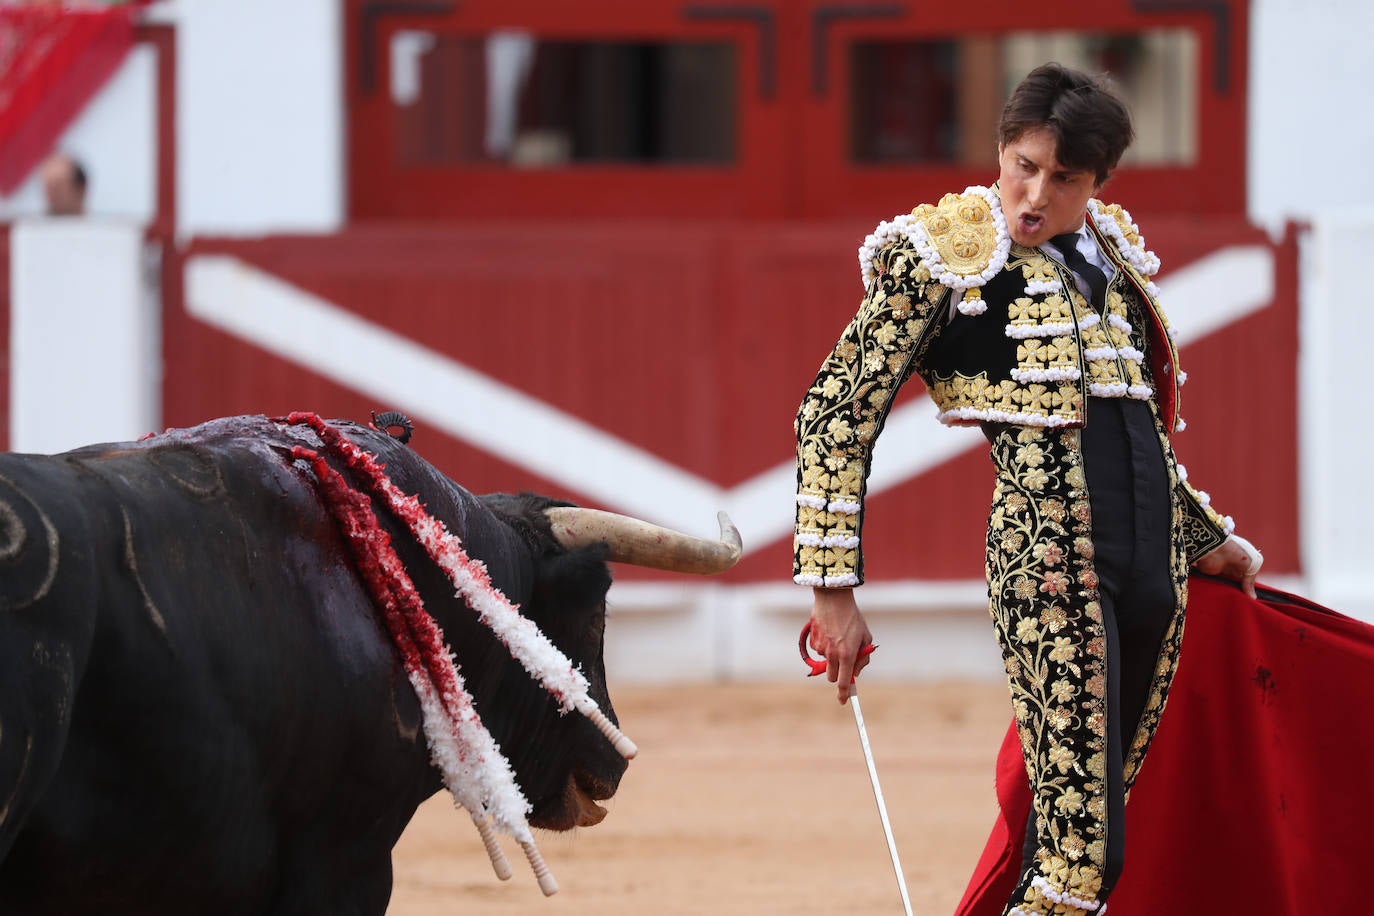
x,y
203,663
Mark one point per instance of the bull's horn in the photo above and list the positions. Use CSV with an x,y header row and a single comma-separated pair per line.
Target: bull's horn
x,y
640,543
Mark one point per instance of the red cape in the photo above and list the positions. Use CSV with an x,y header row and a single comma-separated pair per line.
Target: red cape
x,y
1251,799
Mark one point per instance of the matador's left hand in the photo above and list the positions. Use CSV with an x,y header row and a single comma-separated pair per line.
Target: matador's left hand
x,y
1235,559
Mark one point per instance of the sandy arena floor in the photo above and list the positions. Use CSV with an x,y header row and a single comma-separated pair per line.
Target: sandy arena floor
x,y
748,799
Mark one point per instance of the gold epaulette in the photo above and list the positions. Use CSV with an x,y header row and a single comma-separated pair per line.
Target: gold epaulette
x,y
964,232
964,243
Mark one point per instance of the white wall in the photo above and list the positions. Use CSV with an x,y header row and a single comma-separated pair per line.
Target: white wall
x,y
115,138
85,360
1310,71
1337,441
1308,145
259,116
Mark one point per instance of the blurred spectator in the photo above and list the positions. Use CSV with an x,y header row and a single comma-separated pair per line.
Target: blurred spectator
x,y
64,185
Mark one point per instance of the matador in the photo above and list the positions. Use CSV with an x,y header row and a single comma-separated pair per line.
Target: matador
x,y
1028,309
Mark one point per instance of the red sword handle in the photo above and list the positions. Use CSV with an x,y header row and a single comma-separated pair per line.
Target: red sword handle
x,y
818,665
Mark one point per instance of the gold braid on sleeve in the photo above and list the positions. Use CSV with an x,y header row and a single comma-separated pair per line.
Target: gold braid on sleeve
x,y
844,410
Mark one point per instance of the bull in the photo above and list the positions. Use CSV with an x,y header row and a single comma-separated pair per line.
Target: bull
x,y
200,711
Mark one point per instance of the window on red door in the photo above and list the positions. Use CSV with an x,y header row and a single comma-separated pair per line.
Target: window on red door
x,y
937,101
513,98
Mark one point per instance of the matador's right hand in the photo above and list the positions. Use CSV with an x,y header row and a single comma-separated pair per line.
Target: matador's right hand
x,y
1235,559
838,633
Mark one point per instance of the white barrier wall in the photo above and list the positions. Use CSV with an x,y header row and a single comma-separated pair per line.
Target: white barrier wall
x,y
1309,68
85,361
1337,447
694,631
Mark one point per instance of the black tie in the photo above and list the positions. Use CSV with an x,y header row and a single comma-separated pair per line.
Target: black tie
x,y
1074,260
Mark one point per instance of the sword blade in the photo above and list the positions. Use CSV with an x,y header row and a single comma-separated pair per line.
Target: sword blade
x,y
878,797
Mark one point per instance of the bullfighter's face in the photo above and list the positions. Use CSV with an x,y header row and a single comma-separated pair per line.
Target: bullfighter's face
x,y
1041,198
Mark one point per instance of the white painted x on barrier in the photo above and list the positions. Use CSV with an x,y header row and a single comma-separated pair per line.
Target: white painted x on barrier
x,y
277,317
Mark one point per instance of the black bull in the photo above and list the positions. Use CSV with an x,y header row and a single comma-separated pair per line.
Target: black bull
x,y
200,711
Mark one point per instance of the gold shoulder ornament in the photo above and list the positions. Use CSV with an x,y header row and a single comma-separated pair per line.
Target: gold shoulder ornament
x,y
964,242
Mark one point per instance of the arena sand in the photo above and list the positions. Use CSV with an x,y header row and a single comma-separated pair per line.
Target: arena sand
x,y
748,799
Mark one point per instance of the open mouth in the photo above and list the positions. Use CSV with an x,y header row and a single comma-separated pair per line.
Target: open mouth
x,y
579,806
582,800
1030,223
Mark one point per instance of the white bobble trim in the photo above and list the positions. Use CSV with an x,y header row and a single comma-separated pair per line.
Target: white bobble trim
x,y
1145,262
972,306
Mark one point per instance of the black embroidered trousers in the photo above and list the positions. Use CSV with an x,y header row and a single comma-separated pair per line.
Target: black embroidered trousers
x,y
1086,596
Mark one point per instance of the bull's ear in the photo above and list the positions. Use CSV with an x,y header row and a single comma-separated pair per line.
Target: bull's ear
x,y
641,543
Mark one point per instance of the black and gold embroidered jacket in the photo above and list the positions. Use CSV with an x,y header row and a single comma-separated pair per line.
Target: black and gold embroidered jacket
x,y
999,333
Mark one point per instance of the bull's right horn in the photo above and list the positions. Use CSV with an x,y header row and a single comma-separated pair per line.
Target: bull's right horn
x,y
641,543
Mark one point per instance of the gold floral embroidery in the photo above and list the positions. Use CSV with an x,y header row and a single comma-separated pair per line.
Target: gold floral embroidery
x,y
1063,353
1031,354
1038,269
1045,609
957,393
1094,337
1057,309
1104,371
1025,311
842,412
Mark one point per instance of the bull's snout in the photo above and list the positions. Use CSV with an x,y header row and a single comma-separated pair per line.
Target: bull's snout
x,y
577,805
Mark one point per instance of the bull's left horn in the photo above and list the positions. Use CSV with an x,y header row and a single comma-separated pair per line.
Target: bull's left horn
x,y
641,543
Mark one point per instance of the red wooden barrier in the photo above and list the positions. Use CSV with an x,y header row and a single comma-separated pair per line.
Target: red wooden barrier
x,y
694,344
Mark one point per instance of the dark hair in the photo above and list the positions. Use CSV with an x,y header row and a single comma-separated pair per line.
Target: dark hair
x,y
1091,126
78,174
